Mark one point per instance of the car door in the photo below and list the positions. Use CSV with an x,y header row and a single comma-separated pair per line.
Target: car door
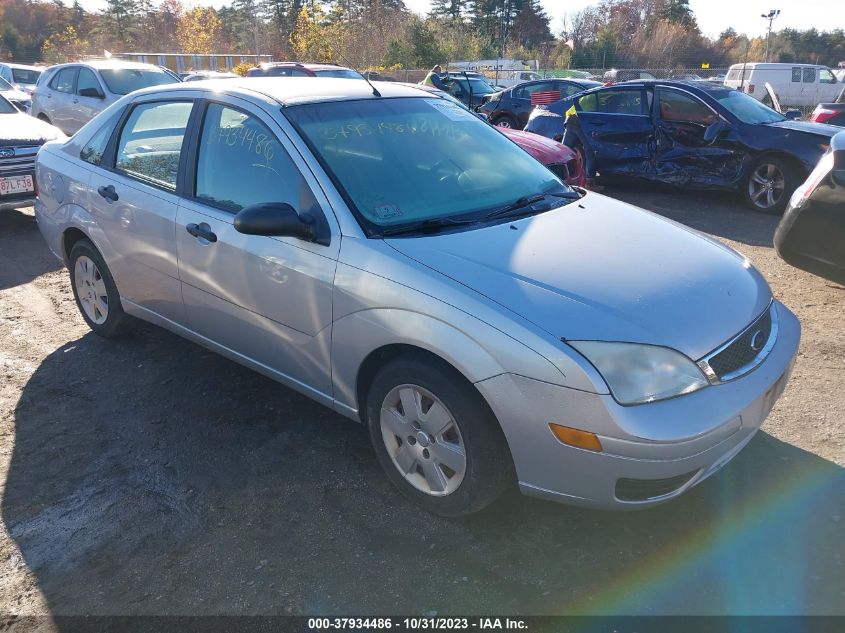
x,y
59,99
615,129
829,87
688,148
88,99
266,299
134,202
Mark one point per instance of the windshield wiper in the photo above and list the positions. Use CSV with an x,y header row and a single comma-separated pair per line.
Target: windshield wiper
x,y
430,225
524,203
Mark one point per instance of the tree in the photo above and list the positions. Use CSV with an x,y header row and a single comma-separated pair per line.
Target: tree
x,y
307,40
65,46
198,30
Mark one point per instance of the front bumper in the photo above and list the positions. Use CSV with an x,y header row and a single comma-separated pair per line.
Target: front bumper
x,y
651,453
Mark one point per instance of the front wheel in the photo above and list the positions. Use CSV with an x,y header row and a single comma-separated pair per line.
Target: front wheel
x,y
436,438
769,184
94,290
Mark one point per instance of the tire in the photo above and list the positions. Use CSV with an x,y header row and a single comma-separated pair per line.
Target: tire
x,y
506,121
452,439
769,184
94,291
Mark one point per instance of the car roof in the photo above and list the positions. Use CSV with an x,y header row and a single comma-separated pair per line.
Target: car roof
x,y
309,66
104,64
774,65
24,66
297,90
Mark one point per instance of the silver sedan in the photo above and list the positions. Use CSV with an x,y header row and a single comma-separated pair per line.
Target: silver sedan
x,y
386,253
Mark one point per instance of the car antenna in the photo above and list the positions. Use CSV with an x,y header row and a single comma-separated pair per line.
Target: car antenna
x,y
376,93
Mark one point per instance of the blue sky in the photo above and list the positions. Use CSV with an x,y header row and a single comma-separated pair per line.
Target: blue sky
x,y
713,15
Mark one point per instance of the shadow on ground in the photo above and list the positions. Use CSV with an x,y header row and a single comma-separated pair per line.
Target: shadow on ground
x,y
19,233
152,476
717,213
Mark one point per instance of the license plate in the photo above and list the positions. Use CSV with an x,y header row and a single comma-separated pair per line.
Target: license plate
x,y
16,184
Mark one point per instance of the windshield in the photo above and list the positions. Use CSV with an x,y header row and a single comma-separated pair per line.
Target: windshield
x,y
405,161
6,107
25,76
122,81
747,109
339,74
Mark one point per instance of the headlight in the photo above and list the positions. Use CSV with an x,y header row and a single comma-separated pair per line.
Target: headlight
x,y
642,373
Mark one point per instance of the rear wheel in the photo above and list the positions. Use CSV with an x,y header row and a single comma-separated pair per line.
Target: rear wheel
x,y
436,438
94,290
506,121
769,184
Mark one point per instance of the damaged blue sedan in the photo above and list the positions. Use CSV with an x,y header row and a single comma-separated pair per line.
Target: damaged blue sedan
x,y
689,133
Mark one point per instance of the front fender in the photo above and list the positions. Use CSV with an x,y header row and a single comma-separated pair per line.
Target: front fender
x,y
358,334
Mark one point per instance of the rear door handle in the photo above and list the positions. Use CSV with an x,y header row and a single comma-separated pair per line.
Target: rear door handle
x,y
201,231
108,193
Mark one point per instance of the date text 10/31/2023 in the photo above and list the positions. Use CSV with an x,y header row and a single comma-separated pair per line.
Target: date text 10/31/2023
x,y
418,623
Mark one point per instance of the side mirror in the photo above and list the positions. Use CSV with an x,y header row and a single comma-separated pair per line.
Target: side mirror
x,y
91,92
275,219
792,115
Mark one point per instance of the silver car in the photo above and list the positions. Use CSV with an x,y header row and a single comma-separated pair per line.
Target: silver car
x,y
70,95
388,254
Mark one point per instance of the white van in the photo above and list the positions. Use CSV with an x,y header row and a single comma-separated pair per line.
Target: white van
x,y
794,84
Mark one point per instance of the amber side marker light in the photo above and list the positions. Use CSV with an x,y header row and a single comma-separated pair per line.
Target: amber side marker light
x,y
576,438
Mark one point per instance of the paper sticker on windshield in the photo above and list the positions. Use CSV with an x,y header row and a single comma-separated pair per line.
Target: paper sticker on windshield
x,y
388,211
453,111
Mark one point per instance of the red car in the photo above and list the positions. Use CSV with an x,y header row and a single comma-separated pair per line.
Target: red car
x,y
565,163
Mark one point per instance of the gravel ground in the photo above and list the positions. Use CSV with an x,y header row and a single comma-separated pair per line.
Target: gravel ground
x,y
149,476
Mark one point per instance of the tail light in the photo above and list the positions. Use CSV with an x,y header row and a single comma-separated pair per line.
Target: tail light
x,y
750,89
608,83
820,115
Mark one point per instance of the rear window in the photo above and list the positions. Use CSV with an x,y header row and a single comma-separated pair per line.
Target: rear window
x,y
122,81
25,76
339,74
615,101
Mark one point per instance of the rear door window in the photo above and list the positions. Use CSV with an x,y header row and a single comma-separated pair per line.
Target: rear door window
x,y
809,75
64,80
150,142
796,74
616,101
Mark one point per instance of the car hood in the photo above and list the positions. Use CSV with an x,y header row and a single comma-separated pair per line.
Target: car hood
x,y
600,269
21,128
821,129
543,149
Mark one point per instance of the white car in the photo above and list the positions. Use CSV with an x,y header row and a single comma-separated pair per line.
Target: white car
x,y
794,84
70,95
21,76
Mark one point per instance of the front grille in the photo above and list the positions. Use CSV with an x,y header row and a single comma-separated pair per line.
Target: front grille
x,y
744,349
645,489
22,162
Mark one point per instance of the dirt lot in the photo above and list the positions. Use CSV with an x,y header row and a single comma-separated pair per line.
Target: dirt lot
x,y
149,476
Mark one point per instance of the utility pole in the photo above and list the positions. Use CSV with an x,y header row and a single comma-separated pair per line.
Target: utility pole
x,y
770,16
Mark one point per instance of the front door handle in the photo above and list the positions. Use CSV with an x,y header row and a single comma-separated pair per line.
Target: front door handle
x,y
201,231
108,193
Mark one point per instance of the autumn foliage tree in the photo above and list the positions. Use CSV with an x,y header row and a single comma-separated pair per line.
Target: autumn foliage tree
x,y
64,46
198,30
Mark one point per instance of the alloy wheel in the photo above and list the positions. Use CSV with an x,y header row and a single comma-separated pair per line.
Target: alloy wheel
x,y
766,186
504,123
91,290
423,440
